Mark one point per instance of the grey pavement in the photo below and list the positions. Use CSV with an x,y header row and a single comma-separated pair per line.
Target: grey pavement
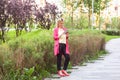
x,y
107,67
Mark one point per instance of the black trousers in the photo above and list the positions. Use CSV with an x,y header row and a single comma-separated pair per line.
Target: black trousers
x,y
62,51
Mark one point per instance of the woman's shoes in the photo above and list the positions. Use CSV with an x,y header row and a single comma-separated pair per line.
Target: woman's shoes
x,y
62,73
65,73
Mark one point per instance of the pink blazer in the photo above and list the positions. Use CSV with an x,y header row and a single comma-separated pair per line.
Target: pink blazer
x,y
56,42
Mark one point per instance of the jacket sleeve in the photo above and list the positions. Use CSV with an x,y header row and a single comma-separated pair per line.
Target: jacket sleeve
x,y
67,36
56,34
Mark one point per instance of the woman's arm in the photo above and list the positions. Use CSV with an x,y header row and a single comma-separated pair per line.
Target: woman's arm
x,y
56,37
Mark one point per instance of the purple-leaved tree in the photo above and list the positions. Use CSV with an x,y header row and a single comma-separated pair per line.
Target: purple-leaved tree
x,y
3,18
46,16
21,12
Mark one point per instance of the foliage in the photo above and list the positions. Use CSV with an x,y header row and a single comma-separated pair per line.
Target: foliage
x,y
20,12
82,23
73,5
98,5
28,56
46,16
87,47
3,18
17,75
109,37
111,32
79,23
67,22
115,25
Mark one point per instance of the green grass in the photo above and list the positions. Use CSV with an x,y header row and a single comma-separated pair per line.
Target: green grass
x,y
108,37
11,35
84,31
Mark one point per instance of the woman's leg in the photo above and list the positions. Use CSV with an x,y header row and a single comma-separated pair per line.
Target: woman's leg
x,y
66,62
59,57
67,59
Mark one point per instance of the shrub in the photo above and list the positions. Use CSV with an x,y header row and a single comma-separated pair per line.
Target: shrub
x,y
36,50
111,32
85,46
115,23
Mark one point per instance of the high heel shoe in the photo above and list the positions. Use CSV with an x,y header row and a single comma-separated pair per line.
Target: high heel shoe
x,y
65,73
60,73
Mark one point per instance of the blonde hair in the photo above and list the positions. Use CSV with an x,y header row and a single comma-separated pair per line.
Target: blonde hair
x,y
59,21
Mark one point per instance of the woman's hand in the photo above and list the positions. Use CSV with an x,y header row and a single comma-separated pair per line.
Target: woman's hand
x,y
65,32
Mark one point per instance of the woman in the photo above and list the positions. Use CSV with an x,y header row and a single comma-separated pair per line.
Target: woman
x,y
61,47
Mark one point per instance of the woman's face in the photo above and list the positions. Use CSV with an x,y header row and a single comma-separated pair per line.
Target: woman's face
x,y
60,24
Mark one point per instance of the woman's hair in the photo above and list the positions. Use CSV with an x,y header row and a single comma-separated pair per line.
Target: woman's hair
x,y
58,21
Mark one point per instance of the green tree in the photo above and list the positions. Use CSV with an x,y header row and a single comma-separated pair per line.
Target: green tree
x,y
115,25
73,4
88,3
98,6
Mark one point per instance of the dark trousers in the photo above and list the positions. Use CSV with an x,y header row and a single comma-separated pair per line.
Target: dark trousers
x,y
62,51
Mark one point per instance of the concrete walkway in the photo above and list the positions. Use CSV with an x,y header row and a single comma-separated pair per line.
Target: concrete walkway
x,y
105,68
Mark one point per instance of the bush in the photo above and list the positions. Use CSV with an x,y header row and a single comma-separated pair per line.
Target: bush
x,y
81,23
84,47
35,49
115,23
111,32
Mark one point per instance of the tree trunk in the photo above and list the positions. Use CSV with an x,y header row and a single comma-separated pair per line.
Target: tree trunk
x,y
99,18
17,33
99,21
72,20
2,36
72,17
89,24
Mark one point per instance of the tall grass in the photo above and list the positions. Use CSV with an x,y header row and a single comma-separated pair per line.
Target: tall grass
x,y
35,50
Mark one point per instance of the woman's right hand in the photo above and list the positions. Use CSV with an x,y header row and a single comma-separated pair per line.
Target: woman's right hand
x,y
65,31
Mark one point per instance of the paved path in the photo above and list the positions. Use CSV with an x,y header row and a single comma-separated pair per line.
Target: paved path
x,y
105,68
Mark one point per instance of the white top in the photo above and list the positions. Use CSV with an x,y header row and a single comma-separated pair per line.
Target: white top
x,y
62,39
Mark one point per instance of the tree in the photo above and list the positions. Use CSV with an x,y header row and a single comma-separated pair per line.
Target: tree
x,y
46,15
98,5
3,18
88,3
21,12
73,4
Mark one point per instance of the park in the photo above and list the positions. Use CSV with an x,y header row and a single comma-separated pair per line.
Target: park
x,y
27,43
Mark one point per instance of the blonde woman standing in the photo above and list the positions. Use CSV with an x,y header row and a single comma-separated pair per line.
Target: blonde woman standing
x,y
61,47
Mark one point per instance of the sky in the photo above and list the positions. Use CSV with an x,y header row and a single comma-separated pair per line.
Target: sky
x,y
56,2
59,4
112,10
116,2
